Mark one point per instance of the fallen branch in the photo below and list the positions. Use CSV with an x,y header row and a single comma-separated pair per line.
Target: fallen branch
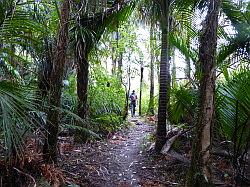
x,y
167,146
169,143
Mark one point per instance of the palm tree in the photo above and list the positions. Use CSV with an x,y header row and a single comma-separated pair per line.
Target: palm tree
x,y
164,77
160,11
199,172
52,124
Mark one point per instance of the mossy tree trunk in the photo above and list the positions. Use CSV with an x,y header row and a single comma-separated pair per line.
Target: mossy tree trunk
x,y
199,172
52,124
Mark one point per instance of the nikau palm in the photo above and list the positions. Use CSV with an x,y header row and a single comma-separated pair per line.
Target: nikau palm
x,y
164,77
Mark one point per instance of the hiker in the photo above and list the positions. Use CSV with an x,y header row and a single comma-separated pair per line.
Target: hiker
x,y
133,98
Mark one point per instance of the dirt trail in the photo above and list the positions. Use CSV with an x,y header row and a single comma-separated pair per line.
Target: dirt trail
x,y
128,154
123,161
109,164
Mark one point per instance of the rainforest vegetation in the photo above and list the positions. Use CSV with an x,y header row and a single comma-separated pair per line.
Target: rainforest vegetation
x,y
67,71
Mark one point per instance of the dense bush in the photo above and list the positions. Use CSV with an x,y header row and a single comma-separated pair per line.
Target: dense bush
x,y
106,101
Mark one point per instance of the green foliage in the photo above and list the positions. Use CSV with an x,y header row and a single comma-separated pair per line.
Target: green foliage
x,y
181,43
238,42
108,122
233,107
17,108
23,27
106,100
69,96
145,99
183,104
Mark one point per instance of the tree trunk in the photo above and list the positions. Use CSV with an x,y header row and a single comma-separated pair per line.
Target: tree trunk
x,y
164,79
114,53
188,63
199,172
128,87
44,72
174,83
113,70
151,97
140,96
82,80
120,55
188,69
82,89
52,124
119,73
83,49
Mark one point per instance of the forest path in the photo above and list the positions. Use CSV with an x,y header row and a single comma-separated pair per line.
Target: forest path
x,y
114,163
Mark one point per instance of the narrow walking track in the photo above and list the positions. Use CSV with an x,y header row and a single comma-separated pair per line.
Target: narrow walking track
x,y
107,164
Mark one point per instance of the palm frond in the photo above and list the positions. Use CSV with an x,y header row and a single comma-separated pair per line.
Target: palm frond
x,y
233,106
181,44
17,105
239,43
183,104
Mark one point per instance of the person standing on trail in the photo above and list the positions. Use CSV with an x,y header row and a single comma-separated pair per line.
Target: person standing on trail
x,y
133,98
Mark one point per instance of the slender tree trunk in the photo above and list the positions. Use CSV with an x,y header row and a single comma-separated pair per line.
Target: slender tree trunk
x,y
164,79
113,70
152,57
82,86
174,83
128,86
129,82
188,63
114,53
52,125
120,55
140,96
119,73
199,173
